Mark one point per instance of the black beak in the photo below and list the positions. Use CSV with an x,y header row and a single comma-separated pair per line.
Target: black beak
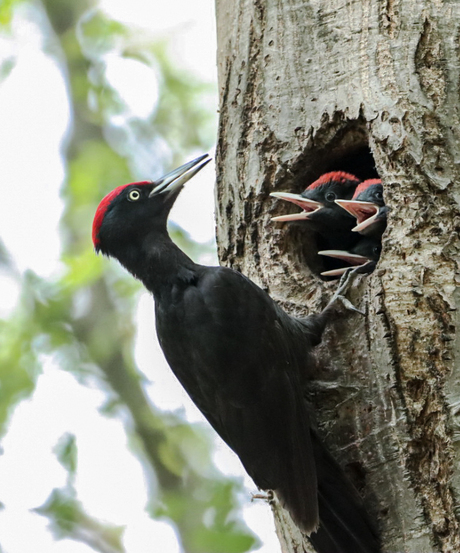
x,y
175,180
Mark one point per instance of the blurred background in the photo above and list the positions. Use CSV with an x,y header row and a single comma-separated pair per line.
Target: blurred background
x,y
101,450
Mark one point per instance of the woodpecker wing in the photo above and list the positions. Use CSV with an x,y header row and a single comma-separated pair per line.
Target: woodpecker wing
x,y
240,357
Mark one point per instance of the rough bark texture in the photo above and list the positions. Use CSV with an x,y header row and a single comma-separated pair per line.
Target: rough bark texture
x,y
311,86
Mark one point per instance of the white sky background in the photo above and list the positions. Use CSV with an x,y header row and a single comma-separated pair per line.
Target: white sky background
x,y
34,115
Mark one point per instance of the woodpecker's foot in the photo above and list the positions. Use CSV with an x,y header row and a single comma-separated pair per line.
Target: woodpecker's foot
x,y
345,282
317,323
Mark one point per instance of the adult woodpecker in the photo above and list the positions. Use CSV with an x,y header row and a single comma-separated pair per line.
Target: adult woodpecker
x,y
241,359
368,206
324,216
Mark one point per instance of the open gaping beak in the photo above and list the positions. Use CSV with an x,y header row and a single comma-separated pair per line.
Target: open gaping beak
x,y
309,206
353,259
365,212
175,180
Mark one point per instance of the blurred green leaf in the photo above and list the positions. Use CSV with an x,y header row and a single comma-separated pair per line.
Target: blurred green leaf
x,y
211,541
6,11
83,269
6,66
17,363
6,261
69,520
98,34
66,452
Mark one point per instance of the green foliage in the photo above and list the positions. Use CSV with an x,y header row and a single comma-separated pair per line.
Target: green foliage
x,y
17,366
66,452
67,514
83,317
6,11
183,116
6,67
99,35
69,520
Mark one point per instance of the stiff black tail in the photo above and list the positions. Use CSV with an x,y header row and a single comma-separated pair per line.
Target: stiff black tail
x,y
345,525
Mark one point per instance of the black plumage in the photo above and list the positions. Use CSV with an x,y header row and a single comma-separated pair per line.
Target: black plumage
x,y
241,359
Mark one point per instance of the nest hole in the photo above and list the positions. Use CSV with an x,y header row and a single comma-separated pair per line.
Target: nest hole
x,y
346,149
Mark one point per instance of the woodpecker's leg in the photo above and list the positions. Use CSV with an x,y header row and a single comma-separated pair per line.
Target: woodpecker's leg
x,y
317,323
344,285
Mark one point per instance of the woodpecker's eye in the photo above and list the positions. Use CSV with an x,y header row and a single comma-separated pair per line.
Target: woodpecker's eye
x,y
379,195
134,195
330,196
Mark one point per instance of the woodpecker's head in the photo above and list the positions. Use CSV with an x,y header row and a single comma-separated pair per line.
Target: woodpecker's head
x,y
368,206
318,199
131,211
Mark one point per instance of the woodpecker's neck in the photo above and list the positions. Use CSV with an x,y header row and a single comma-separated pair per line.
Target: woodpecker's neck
x,y
159,264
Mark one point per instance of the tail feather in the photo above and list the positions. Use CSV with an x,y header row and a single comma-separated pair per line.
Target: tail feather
x,y
298,491
345,525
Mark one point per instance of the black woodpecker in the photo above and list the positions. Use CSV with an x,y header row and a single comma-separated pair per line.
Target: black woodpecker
x,y
241,359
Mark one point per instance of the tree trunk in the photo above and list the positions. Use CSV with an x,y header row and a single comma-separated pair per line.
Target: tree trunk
x,y
312,86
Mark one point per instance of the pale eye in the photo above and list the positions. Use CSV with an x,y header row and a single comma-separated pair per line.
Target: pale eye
x,y
134,195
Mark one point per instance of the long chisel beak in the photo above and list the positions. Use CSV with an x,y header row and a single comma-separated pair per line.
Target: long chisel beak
x,y
174,180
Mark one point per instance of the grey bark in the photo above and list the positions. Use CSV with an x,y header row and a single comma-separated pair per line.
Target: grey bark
x,y
303,85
